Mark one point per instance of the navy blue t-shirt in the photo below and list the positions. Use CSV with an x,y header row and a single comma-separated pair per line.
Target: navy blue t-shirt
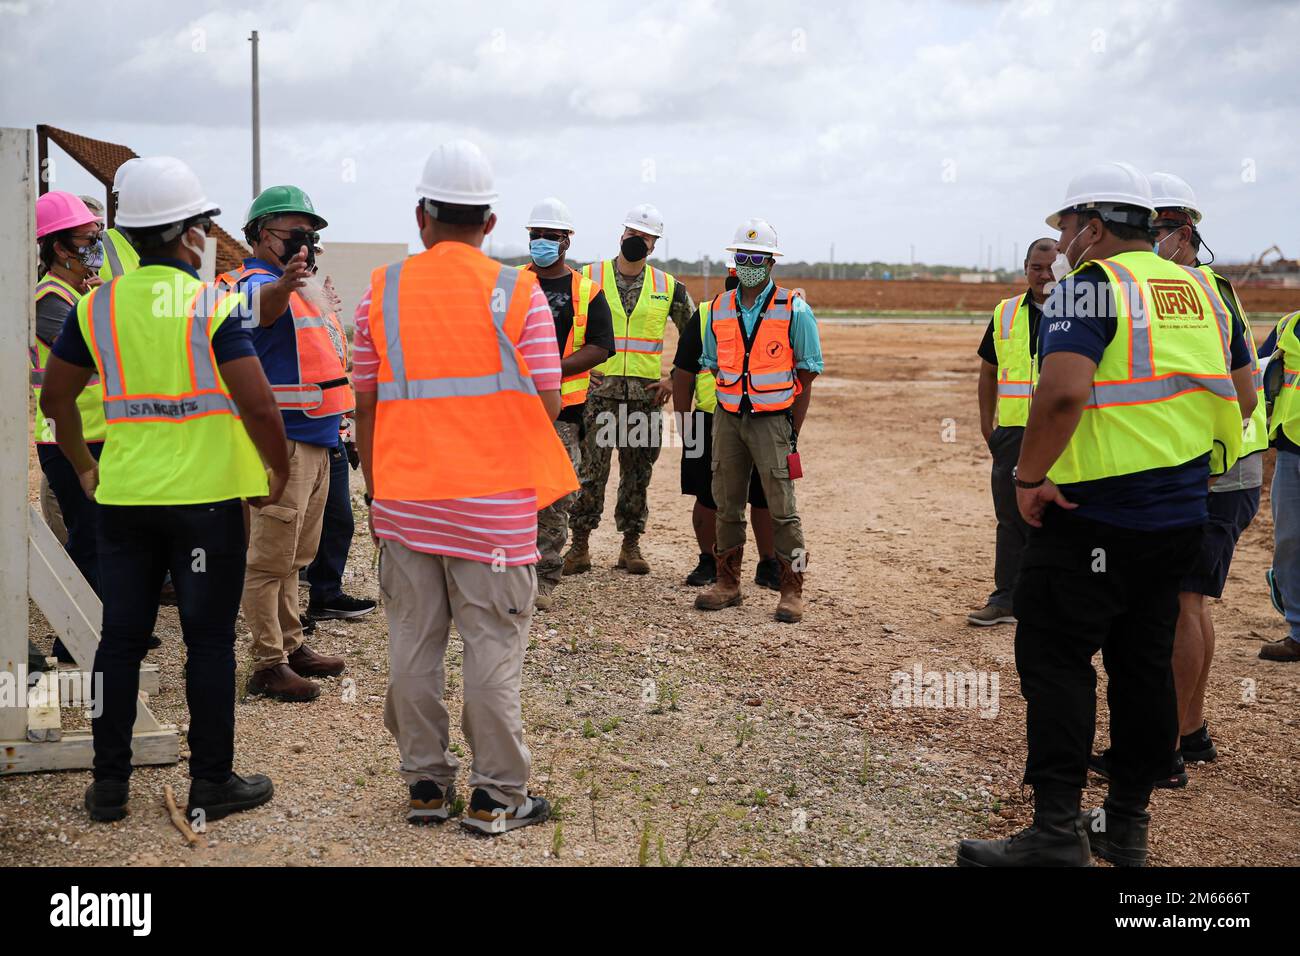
x,y
277,348
229,342
1079,317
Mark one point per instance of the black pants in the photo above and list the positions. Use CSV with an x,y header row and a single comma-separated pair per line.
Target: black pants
x,y
325,573
1086,586
203,547
1012,533
80,514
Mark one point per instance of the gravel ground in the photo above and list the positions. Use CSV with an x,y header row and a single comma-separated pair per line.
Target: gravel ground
x,y
666,736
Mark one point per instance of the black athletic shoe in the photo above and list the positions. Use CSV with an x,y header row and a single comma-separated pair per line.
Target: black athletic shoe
x,y
430,803
706,572
217,800
308,623
485,815
1176,779
768,574
106,800
342,607
1198,747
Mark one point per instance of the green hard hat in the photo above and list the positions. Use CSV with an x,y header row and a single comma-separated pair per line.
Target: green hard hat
x,y
278,200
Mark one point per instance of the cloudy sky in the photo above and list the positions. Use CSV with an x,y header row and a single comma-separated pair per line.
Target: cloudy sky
x,y
949,128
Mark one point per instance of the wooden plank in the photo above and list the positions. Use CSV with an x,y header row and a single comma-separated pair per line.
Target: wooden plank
x,y
17,279
43,717
62,594
76,752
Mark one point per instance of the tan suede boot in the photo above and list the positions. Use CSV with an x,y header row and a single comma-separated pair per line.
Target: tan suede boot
x,y
790,608
578,559
629,556
726,591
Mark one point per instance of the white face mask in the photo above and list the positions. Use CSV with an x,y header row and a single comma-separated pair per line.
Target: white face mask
x,y
202,244
1061,265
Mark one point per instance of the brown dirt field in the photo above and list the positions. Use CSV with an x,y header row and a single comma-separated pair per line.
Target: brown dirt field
x,y
875,295
763,743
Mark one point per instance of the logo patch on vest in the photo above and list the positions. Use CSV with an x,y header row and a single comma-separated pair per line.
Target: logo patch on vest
x,y
774,349
1175,299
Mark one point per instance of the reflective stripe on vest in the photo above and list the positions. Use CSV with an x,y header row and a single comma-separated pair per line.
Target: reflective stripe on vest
x,y
205,398
510,378
114,258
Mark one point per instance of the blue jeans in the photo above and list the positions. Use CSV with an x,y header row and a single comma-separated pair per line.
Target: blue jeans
x,y
1286,535
325,573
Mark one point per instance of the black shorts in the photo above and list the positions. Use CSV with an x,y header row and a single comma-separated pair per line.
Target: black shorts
x,y
1231,512
697,473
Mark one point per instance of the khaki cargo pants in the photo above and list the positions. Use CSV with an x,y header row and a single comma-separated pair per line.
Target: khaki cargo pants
x,y
283,537
424,594
742,443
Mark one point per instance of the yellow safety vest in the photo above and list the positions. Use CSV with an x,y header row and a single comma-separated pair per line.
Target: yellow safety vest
x,y
706,386
1255,437
174,432
573,390
639,339
1162,394
1286,407
120,256
89,402
1017,371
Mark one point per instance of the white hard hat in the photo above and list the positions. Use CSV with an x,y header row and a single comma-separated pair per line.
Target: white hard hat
x,y
459,173
1103,187
550,213
755,235
1172,192
119,177
161,190
645,218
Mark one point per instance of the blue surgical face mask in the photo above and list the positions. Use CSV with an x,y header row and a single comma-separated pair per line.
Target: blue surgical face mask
x,y
544,252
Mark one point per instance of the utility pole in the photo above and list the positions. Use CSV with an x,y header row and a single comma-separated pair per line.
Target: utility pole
x,y
257,125
832,260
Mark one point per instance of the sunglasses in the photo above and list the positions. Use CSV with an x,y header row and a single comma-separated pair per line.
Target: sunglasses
x,y
555,236
282,234
752,258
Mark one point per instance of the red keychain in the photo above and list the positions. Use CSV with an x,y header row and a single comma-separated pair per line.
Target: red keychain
x,y
792,463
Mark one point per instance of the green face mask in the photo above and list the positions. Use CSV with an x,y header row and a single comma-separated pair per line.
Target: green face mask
x,y
751,276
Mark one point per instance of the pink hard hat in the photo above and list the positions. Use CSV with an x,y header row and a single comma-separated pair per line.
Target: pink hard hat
x,y
57,210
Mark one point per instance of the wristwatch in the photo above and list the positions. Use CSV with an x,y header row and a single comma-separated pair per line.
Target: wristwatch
x,y
1026,484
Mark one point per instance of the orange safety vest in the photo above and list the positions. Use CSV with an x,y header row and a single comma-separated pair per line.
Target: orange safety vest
x,y
322,388
762,368
573,388
457,412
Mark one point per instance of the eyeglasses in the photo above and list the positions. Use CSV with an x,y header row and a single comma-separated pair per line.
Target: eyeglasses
x,y
205,224
540,234
287,234
752,258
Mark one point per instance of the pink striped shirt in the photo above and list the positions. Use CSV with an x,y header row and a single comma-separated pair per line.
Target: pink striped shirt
x,y
500,529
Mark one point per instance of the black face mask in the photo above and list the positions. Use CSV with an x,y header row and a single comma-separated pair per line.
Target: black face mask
x,y
634,249
291,247
731,283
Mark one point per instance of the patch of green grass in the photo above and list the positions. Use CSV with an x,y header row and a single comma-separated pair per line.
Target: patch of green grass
x,y
588,729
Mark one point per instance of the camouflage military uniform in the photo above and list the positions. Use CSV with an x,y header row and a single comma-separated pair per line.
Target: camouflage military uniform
x,y
628,400
553,521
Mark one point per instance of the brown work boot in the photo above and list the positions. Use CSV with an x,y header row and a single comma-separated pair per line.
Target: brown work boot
x,y
1285,651
726,591
629,556
281,683
790,608
307,663
578,560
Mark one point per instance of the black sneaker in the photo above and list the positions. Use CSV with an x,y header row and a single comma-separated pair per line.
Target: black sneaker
x,y
487,816
1176,779
106,800
430,803
340,608
768,574
217,800
706,572
1198,747
308,623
